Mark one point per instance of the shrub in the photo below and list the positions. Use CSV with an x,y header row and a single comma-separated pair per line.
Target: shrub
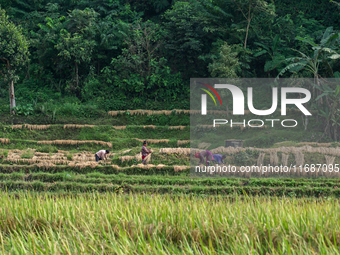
x,y
69,157
27,154
5,153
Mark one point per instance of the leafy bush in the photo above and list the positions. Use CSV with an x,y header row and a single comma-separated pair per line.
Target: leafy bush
x,y
69,109
24,109
48,149
27,154
5,153
246,157
69,157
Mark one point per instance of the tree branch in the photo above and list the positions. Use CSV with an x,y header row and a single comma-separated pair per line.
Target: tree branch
x,y
7,62
240,10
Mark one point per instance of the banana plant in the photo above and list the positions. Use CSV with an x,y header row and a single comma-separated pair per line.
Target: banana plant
x,y
319,62
323,53
316,64
331,112
273,52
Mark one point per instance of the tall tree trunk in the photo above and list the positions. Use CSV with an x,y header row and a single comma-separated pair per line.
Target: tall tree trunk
x,y
248,25
77,76
11,97
335,133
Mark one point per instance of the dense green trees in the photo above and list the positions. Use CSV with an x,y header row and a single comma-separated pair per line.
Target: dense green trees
x,y
116,54
13,54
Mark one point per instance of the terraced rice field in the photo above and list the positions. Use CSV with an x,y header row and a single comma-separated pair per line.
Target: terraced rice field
x,y
57,200
67,165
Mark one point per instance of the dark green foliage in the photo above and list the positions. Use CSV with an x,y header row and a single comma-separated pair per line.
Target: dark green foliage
x,y
90,57
143,184
168,170
246,157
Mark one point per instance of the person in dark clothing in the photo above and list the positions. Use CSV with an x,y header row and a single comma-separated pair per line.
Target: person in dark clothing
x,y
219,158
100,155
145,152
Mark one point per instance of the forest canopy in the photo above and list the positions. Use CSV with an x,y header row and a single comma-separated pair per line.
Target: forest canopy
x,y
119,54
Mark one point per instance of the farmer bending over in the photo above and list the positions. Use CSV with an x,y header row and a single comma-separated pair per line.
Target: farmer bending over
x,y
219,158
203,154
100,155
145,152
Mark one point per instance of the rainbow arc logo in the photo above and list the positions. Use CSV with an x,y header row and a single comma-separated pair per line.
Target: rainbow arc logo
x,y
213,90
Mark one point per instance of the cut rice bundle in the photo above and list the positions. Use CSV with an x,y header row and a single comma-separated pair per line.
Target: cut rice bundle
x,y
180,168
119,127
182,151
75,142
181,142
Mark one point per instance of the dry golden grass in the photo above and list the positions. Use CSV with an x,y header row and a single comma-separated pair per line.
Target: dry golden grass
x,y
184,151
180,168
126,151
144,166
31,127
55,159
260,159
115,113
177,127
204,146
15,151
64,152
82,165
36,127
160,166
195,150
168,112
286,150
181,142
147,159
330,165
195,112
274,161
82,157
21,160
151,112
126,158
119,127
41,154
17,126
138,156
227,150
150,126
285,159
77,126
75,142
329,160
4,140
45,164
179,111
299,158
154,141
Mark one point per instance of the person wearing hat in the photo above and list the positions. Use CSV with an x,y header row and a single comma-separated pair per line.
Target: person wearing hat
x,y
145,152
204,154
100,155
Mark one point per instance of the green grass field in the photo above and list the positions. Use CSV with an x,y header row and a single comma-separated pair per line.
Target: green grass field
x,y
155,224
71,205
